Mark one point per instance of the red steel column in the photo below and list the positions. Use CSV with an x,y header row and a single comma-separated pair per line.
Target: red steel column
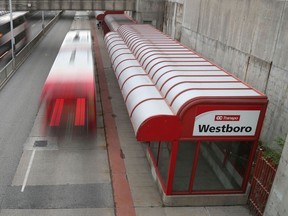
x,y
171,168
249,165
194,167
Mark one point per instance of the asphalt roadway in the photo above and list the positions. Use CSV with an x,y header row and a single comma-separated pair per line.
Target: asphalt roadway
x,y
62,176
19,103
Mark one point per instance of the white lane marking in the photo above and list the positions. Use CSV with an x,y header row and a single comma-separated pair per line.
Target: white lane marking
x,y
28,170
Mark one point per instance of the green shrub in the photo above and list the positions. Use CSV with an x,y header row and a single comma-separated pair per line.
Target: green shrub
x,y
272,154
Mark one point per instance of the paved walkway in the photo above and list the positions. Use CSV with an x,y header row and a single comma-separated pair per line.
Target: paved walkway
x,y
142,194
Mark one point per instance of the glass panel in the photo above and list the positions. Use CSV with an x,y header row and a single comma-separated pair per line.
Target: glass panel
x,y
184,162
221,165
154,149
164,159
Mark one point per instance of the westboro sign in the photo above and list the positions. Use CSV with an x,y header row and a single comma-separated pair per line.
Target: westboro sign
x,y
226,123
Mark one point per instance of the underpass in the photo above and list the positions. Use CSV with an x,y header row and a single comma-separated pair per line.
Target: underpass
x,y
70,5
71,175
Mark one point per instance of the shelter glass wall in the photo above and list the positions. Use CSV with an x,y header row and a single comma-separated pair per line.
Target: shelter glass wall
x,y
202,166
184,164
221,165
161,152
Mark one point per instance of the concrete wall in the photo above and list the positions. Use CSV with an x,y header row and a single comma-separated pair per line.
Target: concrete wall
x,y
247,38
150,12
173,18
278,199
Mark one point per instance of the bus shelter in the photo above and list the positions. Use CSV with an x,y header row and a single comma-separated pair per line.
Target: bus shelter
x,y
201,123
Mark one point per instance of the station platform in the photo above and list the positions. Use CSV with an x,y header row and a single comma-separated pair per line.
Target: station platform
x,y
134,190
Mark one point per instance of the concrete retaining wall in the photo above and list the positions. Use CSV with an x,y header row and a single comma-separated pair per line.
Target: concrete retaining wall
x,y
278,199
150,12
173,18
247,38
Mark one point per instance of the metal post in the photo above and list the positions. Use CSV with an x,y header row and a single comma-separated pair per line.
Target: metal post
x,y
194,166
43,26
171,168
12,32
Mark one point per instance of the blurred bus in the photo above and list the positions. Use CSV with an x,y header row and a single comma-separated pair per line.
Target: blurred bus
x,y
69,92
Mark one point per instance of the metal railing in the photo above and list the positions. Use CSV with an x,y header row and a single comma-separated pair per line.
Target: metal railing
x,y
263,177
7,72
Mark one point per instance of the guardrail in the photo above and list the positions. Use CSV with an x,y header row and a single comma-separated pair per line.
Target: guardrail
x,y
8,71
263,177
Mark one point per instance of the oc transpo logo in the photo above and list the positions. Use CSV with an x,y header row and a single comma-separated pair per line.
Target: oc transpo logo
x,y
227,118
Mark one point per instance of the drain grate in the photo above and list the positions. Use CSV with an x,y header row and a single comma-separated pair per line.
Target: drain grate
x,y
40,143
